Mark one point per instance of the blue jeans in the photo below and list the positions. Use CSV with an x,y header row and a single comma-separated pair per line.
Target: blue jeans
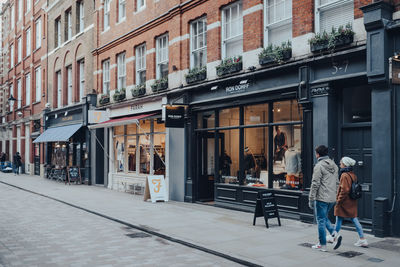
x,y
16,169
339,221
323,209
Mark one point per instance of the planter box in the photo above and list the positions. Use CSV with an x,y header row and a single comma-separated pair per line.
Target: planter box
x,y
141,91
319,47
342,41
197,77
236,67
104,100
119,97
287,54
159,87
266,60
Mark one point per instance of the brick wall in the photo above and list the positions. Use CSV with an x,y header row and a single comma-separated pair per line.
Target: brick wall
x,y
303,17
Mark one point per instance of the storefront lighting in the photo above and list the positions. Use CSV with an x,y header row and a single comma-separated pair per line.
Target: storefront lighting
x,y
55,116
279,110
66,113
57,145
214,88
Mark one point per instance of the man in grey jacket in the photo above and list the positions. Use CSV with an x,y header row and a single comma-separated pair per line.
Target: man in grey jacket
x,y
323,190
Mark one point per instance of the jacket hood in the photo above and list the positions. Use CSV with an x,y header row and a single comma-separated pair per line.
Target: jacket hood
x,y
328,165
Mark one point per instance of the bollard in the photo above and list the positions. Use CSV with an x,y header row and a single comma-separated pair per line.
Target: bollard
x,y
381,226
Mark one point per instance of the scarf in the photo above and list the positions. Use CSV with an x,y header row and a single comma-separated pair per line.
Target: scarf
x,y
345,169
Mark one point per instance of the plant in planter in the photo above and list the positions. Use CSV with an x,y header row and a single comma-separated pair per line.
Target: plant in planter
x,y
119,95
275,54
319,42
196,74
139,90
230,65
160,85
343,35
104,99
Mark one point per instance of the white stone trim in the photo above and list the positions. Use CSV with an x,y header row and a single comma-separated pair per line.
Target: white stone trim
x,y
253,9
178,39
213,25
130,59
150,51
98,72
113,66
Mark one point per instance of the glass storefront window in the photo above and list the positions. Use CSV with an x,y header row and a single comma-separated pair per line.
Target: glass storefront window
x,y
131,142
144,126
119,149
256,156
287,156
229,158
356,105
206,119
59,155
144,144
229,117
159,154
256,114
159,127
284,111
131,129
119,130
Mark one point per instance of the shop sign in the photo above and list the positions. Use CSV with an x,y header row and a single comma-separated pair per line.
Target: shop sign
x,y
155,188
266,207
136,109
175,116
97,116
238,88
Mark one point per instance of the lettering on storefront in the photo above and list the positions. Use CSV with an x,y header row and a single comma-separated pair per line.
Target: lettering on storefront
x,y
237,89
69,118
155,188
266,207
137,107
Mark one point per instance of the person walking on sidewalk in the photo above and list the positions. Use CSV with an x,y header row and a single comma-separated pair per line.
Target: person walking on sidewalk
x,y
346,207
17,163
322,195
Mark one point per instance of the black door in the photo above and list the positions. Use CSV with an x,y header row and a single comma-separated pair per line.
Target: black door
x,y
356,143
36,159
100,159
205,166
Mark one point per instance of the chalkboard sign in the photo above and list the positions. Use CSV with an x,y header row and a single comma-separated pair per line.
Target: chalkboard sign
x,y
266,207
74,175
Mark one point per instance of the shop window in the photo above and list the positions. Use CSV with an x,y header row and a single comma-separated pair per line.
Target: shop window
x,y
144,126
232,30
356,105
333,13
159,154
206,119
287,172
284,111
229,117
59,155
119,149
256,114
159,126
255,164
131,142
144,159
130,129
119,130
229,156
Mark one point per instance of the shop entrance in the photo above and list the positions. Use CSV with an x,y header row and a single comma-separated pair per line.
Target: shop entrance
x,y
357,145
36,159
206,166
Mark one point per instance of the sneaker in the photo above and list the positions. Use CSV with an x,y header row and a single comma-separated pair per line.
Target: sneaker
x,y
337,241
319,247
329,239
361,243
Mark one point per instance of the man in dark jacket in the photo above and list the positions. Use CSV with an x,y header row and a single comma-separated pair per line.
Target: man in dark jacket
x,y
17,163
323,190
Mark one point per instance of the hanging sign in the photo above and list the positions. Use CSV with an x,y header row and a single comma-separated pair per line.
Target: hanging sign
x,y
175,116
266,207
155,188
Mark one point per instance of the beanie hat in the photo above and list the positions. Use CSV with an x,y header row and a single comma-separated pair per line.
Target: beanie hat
x,y
348,162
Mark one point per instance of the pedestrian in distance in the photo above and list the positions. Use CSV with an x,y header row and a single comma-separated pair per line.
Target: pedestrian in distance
x,y
17,163
346,207
322,195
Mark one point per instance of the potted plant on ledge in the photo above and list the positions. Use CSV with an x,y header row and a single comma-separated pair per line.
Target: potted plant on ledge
x,y
119,95
104,99
160,85
196,74
229,66
344,35
275,54
139,90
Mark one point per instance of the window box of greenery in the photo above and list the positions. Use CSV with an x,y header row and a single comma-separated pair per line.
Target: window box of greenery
x,y
119,95
139,90
104,99
196,74
230,65
160,85
329,41
275,54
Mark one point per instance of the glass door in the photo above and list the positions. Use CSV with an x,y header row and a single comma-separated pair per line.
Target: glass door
x,y
205,166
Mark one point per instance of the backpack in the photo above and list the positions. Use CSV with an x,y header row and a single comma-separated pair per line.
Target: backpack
x,y
355,190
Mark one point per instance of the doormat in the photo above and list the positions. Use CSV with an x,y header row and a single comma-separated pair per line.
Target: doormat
x,y
350,254
387,244
138,235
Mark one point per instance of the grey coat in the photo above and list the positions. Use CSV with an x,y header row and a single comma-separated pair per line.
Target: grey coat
x,y
325,181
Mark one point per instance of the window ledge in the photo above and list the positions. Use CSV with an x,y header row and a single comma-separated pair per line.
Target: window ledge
x,y
105,30
121,21
139,10
79,34
25,58
36,102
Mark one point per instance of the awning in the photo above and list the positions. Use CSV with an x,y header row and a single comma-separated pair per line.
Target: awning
x,y
58,134
120,121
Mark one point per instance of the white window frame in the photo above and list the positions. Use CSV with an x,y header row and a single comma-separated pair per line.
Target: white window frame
x,y
59,88
28,89
223,28
12,17
58,31
28,41
19,94
28,5
81,16
106,76
162,53
38,33
268,26
318,9
121,10
140,62
106,19
38,84
69,85
19,49
69,25
20,10
193,35
121,71
140,4
81,64
11,56
11,92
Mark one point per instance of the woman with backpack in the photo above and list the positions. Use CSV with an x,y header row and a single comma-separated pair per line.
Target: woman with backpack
x,y
346,203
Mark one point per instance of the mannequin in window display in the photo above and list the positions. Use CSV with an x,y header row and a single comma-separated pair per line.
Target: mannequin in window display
x,y
225,164
280,142
250,165
120,155
293,168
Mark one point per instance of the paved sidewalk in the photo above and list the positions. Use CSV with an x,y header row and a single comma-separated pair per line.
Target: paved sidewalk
x,y
222,230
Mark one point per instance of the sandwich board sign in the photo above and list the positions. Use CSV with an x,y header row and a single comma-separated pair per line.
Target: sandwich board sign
x,y
155,188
